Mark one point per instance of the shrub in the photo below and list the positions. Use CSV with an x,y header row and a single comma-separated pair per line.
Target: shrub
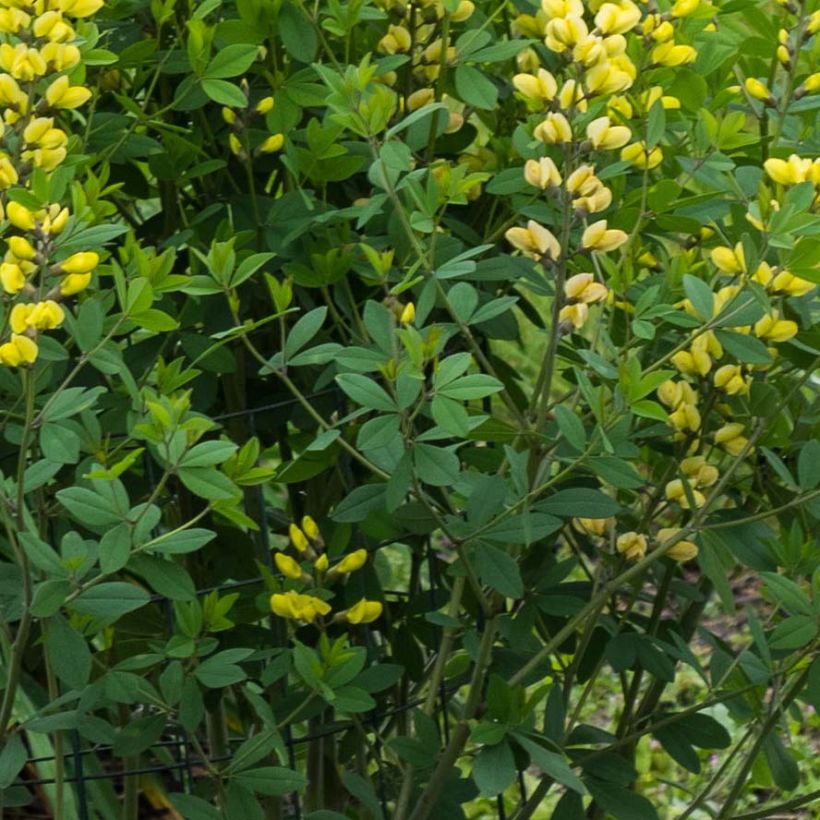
x,y
398,398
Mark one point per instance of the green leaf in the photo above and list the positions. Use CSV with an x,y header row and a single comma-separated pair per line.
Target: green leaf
x,y
794,632
297,33
208,483
787,593
744,348
620,802
68,653
571,427
208,454
138,735
580,502
12,759
222,669
353,700
115,549
551,764
366,392
359,503
231,61
178,543
89,507
224,93
494,769
474,386
304,330
524,528
698,292
475,89
194,808
450,416
435,465
808,465
499,570
784,768
165,576
271,780
111,600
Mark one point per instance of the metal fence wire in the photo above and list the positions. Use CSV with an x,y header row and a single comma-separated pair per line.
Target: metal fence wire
x,y
174,758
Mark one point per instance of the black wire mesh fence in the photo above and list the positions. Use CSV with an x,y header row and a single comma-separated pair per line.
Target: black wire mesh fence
x,y
177,760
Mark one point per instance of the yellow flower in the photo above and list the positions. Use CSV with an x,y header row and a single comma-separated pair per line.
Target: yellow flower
x,y
321,563
310,528
789,171
564,32
576,314
74,283
40,316
60,56
729,260
21,248
408,314
680,550
287,566
420,98
273,143
298,607
12,277
730,437
20,350
791,285
79,8
8,173
22,62
264,105
534,240
235,144
554,130
675,492
774,329
683,8
583,288
757,89
61,94
464,10
352,562
729,379
598,237
572,95
592,526
605,136
12,20
617,19
364,612
228,115
83,262
20,216
542,173
631,545
298,538
641,156
672,55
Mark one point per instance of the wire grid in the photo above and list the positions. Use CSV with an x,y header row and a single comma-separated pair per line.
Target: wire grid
x,y
184,762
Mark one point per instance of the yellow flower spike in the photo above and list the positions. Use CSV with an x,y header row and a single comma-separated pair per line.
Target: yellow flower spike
x,y
321,563
19,350
272,144
631,545
20,216
352,562
74,283
311,528
264,105
605,136
364,612
534,240
83,262
542,173
287,566
593,526
61,94
576,314
598,237
774,329
298,538
408,314
554,130
681,550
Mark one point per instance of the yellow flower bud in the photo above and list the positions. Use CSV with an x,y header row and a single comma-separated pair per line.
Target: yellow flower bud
x,y
534,240
729,379
310,528
352,562
576,314
364,612
8,173
408,314
592,526
20,216
757,89
728,260
420,98
21,247
464,11
296,606
74,283
555,129
774,329
675,492
264,105
321,563
61,94
681,550
787,172
641,156
298,538
582,287
12,277
287,566
272,144
20,350
542,173
598,237
605,136
669,54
